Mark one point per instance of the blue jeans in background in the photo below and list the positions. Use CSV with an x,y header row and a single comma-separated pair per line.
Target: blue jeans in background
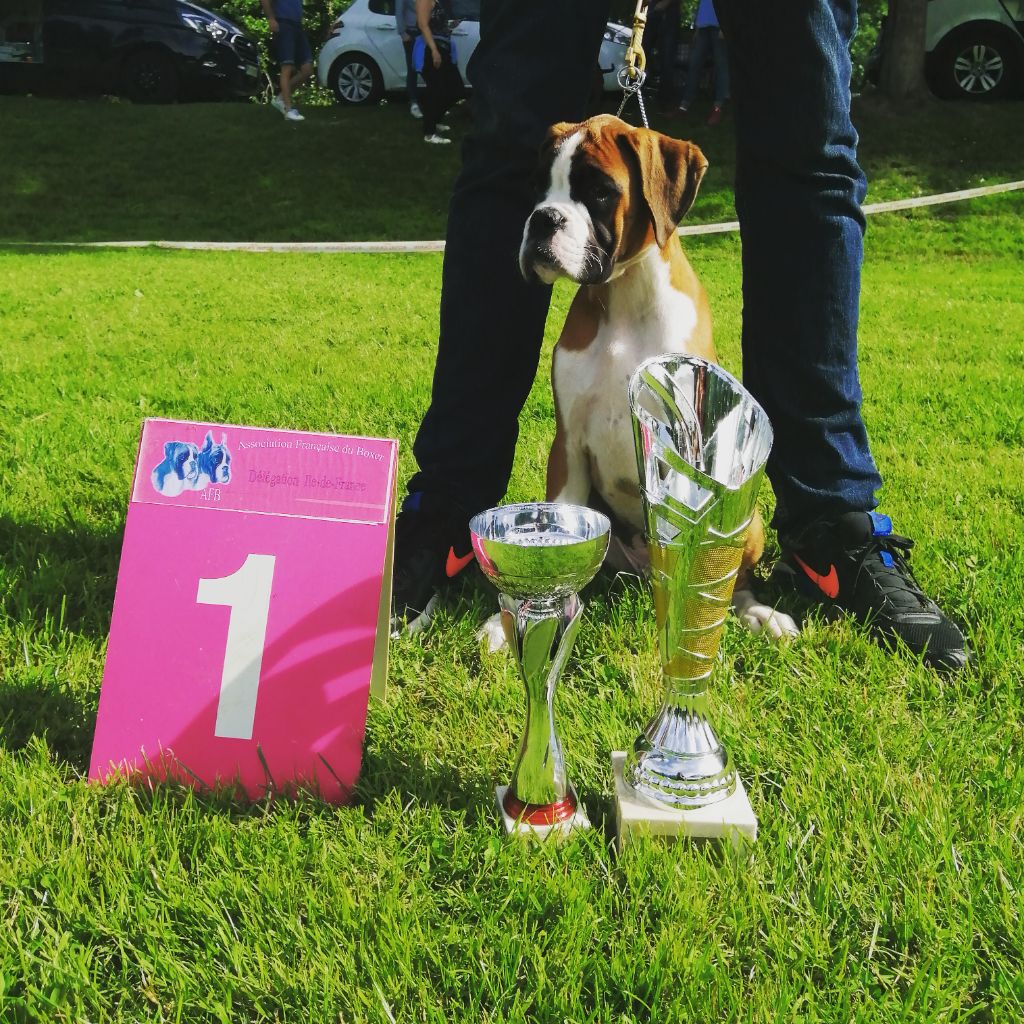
x,y
798,195
704,41
411,78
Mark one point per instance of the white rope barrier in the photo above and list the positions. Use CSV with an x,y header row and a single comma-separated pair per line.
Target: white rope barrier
x,y
438,246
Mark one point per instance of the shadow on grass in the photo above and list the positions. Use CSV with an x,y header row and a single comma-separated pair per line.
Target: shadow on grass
x,y
133,167
48,712
392,769
59,579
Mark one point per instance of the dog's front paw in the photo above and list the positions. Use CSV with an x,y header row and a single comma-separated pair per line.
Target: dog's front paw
x,y
492,633
757,616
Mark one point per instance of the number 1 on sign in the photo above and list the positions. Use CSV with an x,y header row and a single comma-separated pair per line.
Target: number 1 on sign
x,y
247,593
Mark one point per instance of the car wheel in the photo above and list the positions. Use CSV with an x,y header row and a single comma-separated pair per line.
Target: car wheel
x,y
149,76
356,80
974,63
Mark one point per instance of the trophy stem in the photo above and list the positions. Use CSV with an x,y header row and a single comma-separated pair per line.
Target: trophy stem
x,y
541,634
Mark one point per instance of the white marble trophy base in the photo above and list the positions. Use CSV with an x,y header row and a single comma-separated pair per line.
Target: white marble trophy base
x,y
636,814
561,829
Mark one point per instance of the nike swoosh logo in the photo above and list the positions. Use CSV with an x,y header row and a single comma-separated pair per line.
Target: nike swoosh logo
x,y
455,563
828,584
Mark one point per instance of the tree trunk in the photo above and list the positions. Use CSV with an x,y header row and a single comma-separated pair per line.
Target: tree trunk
x,y
903,54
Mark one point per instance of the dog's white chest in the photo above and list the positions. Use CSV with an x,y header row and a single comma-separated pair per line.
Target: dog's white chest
x,y
646,317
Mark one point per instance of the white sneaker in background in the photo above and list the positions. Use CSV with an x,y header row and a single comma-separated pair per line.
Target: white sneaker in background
x,y
278,104
414,109
437,140
443,128
291,114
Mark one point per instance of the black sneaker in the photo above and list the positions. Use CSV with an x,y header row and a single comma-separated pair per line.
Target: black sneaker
x,y
432,547
858,564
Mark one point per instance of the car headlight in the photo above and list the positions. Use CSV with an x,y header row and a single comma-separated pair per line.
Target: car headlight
x,y
214,29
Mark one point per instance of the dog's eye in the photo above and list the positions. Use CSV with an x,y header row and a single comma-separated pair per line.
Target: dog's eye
x,y
606,194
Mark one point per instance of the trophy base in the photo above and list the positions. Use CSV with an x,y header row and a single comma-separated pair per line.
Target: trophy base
x,y
635,815
560,829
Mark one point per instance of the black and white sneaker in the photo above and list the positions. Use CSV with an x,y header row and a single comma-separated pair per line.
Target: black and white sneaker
x,y
432,547
857,564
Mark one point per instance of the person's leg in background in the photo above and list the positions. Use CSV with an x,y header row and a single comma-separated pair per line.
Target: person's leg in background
x,y
303,61
284,42
450,92
296,59
303,75
699,47
285,92
799,186
533,67
668,44
432,98
720,55
411,76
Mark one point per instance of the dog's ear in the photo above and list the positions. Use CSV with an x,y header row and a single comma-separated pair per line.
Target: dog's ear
x,y
169,449
208,441
671,171
556,133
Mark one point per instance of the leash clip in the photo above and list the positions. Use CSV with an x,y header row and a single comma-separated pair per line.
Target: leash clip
x,y
633,73
636,59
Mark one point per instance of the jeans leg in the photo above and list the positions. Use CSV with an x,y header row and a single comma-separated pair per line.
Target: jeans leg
x,y
798,194
698,55
534,66
410,71
720,56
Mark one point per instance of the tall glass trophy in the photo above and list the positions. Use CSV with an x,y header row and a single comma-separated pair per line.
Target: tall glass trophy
x,y
701,446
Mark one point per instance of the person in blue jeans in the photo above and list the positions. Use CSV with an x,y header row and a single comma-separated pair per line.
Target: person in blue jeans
x,y
707,38
405,23
799,190
291,48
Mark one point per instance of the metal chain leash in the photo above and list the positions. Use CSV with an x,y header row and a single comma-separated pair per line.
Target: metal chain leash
x,y
632,89
633,73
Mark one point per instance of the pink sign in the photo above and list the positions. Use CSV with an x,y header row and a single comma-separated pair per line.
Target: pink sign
x,y
250,620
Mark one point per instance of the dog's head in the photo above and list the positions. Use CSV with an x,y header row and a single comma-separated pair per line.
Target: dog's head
x,y
215,459
608,191
180,466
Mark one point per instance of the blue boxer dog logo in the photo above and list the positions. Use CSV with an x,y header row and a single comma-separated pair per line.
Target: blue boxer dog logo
x,y
214,462
187,467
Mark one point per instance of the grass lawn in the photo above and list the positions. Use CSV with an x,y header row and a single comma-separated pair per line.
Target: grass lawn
x,y
104,170
886,882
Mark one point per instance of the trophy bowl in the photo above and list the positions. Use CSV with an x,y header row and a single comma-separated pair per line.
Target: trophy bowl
x,y
539,555
540,551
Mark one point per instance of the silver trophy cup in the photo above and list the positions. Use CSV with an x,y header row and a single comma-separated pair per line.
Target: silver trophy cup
x,y
701,446
539,555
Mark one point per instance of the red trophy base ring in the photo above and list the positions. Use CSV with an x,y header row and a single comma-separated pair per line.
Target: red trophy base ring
x,y
540,820
539,814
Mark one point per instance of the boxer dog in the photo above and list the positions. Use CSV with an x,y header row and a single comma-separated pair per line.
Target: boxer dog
x,y
214,462
607,220
179,470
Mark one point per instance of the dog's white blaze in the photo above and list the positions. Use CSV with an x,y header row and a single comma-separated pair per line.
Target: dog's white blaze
x,y
647,316
569,243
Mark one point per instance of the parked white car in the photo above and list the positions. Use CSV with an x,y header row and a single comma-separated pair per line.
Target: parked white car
x,y
363,59
974,49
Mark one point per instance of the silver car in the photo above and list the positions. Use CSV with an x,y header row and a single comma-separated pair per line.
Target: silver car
x,y
364,58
